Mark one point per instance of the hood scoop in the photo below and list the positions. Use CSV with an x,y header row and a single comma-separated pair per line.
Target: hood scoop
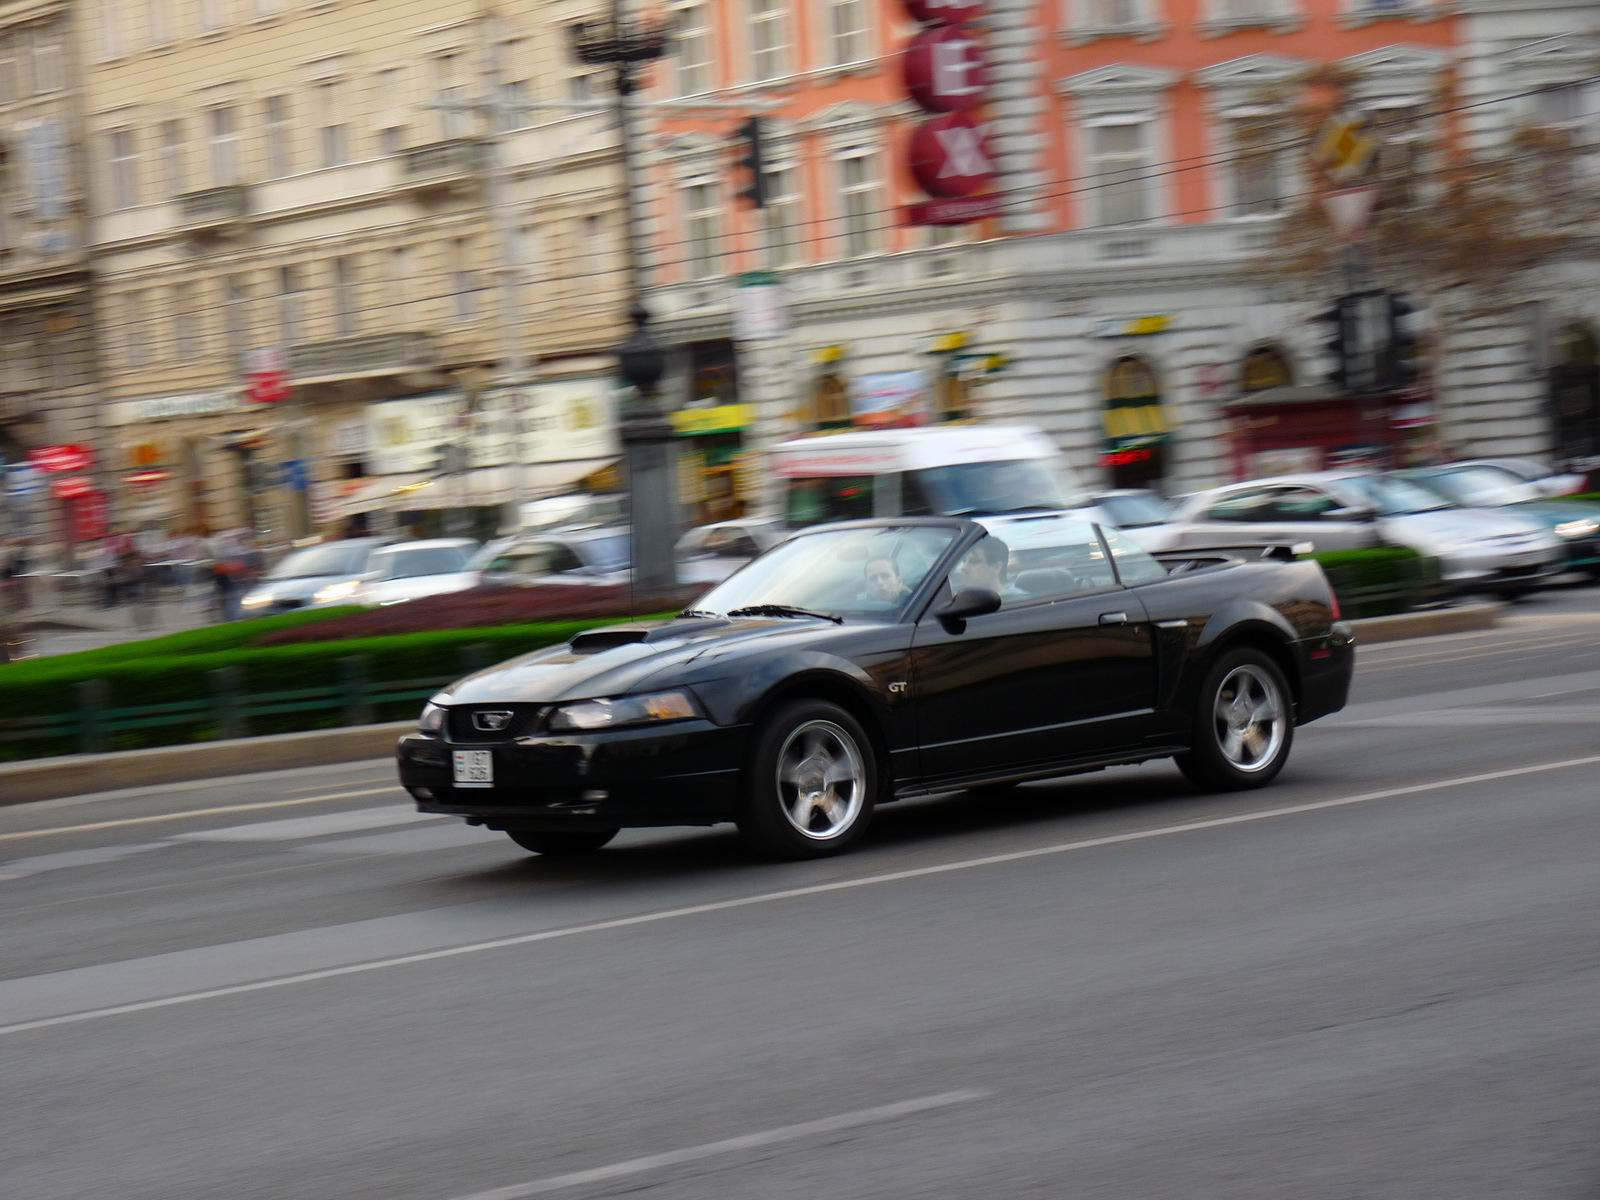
x,y
594,641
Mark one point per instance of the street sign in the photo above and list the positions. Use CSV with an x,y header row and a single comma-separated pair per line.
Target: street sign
x,y
62,460
944,69
948,12
1348,211
268,378
23,481
72,487
147,478
760,314
951,157
1345,150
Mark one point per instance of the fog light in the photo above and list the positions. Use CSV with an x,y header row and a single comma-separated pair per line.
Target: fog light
x,y
422,793
595,795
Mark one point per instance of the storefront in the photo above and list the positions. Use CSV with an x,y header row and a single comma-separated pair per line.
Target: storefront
x,y
713,424
195,461
1136,429
1575,396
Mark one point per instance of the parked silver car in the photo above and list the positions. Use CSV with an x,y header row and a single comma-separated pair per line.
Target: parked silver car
x,y
565,556
327,574
1478,549
414,570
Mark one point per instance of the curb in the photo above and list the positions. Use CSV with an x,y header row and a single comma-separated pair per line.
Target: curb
x,y
86,774
1465,618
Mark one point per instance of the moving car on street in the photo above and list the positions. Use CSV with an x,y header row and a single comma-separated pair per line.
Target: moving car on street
x,y
710,553
1542,479
319,576
413,570
855,664
1479,550
566,556
1576,523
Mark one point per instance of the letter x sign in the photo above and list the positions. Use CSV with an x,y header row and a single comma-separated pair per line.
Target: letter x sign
x,y
951,156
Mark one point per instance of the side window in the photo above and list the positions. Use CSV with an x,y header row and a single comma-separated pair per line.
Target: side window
x,y
742,546
1241,506
1054,564
1301,504
1135,565
563,559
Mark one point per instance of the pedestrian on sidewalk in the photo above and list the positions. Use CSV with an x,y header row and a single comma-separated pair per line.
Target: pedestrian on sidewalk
x,y
228,570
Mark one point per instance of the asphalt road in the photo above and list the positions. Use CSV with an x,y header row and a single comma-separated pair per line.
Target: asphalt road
x,y
1380,977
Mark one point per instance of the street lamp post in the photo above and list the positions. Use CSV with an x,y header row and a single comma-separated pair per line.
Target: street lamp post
x,y
645,432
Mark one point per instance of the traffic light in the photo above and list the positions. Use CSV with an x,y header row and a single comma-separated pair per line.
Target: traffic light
x,y
1404,364
753,160
1333,342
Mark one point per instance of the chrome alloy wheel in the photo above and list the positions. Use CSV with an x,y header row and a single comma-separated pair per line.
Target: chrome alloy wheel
x,y
1251,718
822,780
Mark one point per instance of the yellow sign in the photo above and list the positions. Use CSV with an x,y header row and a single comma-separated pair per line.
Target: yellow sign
x,y
724,418
747,476
830,354
1346,150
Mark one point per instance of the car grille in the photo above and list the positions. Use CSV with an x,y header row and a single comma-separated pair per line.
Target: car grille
x,y
525,719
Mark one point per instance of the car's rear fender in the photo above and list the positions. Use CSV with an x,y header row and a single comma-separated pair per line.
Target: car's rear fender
x,y
1242,623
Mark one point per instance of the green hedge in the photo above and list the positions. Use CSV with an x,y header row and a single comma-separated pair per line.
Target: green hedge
x,y
227,636
1594,497
1380,581
423,661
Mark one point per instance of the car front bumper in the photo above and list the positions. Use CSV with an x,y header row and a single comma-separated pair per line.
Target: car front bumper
x,y
1495,569
685,773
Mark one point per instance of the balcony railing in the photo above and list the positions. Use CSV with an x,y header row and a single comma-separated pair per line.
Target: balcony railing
x,y
370,354
443,164
215,206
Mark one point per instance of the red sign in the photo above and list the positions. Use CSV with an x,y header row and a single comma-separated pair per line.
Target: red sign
x,y
944,12
944,69
267,382
961,211
88,517
145,479
951,156
72,487
59,460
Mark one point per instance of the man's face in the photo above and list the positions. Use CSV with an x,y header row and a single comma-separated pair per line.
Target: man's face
x,y
883,581
981,573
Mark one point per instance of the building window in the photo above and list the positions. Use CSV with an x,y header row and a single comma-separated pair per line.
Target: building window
x,y
124,169
344,313
10,86
138,345
279,159
288,306
213,15
110,28
702,213
584,86
46,62
1119,157
171,158
400,265
1256,167
769,38
452,121
849,31
333,137
236,297
1402,133
858,204
392,141
784,215
511,115
464,281
186,339
692,44
1113,14
224,147
160,13
1245,10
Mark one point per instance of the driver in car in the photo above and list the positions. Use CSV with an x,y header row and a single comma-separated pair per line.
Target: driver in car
x,y
884,585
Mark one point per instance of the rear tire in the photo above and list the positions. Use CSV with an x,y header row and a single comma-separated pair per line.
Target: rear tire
x,y
1243,724
562,843
811,783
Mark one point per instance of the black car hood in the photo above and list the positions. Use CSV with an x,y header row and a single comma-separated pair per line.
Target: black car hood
x,y
622,658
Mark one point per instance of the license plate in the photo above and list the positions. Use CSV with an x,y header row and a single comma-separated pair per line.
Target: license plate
x,y
473,768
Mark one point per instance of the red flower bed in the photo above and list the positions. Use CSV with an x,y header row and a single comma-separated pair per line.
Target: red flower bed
x,y
484,607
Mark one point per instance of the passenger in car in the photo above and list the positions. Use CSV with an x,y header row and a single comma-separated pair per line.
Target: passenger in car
x,y
984,566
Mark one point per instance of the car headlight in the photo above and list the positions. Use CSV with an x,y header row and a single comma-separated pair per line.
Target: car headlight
x,y
336,592
255,602
625,710
432,719
1582,527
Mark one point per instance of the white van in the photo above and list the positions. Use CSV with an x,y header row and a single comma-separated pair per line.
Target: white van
x,y
948,470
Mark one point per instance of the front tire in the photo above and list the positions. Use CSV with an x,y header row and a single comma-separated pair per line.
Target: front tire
x,y
1243,724
811,783
562,843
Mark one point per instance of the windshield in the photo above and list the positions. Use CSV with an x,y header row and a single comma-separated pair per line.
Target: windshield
x,y
336,558
1480,487
609,553
984,489
411,562
851,572
1397,497
1135,511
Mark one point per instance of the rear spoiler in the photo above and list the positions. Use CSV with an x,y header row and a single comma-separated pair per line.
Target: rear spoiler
x,y
1247,551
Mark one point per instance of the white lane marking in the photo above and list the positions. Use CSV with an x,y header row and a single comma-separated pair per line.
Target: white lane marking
x,y
1445,644
190,813
21,868
1580,647
815,889
353,821
749,1141
291,779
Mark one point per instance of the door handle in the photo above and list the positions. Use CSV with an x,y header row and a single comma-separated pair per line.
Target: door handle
x,y
1116,618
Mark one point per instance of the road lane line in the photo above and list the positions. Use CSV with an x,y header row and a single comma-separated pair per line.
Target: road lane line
x,y
1584,647
749,1141
188,814
816,889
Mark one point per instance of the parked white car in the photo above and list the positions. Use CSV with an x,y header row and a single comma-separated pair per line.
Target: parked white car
x,y
564,556
413,570
710,553
1481,550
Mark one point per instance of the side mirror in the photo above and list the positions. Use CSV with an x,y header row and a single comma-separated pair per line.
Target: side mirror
x,y
1358,513
968,602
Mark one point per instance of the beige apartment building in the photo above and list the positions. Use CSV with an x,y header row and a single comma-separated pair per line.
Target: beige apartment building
x,y
309,187
47,361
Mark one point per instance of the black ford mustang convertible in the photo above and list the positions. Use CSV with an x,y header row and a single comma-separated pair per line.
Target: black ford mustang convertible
x,y
856,664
